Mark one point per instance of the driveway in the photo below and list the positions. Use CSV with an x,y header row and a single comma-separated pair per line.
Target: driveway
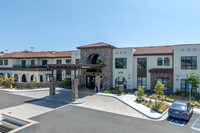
x,y
73,119
9,100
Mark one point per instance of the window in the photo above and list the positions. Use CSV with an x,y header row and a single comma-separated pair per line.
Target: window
x,y
44,62
120,81
159,61
121,63
58,61
78,61
166,61
23,63
141,62
164,81
5,62
32,62
142,82
1,62
68,61
185,86
188,62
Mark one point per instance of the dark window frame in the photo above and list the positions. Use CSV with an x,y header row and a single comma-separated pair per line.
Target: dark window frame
x,y
141,82
160,61
167,87
32,62
166,61
121,63
5,62
186,86
142,62
58,61
1,62
77,61
44,62
68,61
187,64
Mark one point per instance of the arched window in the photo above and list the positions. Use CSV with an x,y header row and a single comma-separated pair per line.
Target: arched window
x,y
166,61
16,78
94,59
8,75
24,79
120,81
159,61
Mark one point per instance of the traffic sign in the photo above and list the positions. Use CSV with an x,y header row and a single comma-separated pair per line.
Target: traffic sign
x,y
190,86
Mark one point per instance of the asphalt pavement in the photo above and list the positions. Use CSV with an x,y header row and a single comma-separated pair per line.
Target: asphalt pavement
x,y
9,100
73,119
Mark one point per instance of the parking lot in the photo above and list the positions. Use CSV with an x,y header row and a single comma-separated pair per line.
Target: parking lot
x,y
192,125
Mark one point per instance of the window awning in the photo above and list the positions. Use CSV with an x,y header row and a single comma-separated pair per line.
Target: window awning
x,y
157,70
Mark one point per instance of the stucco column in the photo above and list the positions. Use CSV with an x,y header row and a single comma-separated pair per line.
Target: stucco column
x,y
52,87
19,78
6,75
28,78
63,74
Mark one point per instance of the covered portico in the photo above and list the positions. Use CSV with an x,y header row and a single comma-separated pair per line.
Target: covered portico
x,y
76,77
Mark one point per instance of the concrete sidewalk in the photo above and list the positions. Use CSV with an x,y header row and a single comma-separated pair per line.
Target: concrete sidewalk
x,y
129,100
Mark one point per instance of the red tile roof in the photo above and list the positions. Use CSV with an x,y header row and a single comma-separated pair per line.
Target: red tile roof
x,y
46,54
96,45
156,50
161,70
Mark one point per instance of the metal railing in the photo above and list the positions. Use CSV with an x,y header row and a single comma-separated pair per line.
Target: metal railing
x,y
29,66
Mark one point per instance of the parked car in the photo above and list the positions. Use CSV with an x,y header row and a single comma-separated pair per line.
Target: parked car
x,y
181,110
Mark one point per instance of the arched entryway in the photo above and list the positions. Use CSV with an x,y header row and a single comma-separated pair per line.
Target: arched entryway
x,y
16,77
32,78
41,78
8,75
24,78
120,81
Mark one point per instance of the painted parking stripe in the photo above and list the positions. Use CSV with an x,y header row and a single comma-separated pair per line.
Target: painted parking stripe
x,y
195,125
177,122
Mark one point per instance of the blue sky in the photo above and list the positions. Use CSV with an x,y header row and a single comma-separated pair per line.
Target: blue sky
x,y
65,24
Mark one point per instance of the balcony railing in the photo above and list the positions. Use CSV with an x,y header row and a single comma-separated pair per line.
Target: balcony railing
x,y
30,66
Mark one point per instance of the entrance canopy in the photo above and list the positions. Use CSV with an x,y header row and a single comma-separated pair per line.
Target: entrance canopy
x,y
74,66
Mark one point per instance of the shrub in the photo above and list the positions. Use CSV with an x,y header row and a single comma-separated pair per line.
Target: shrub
x,y
159,88
1,80
66,83
148,104
145,101
9,81
107,91
33,85
116,91
140,93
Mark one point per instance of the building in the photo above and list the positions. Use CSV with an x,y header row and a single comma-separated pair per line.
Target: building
x,y
27,67
133,67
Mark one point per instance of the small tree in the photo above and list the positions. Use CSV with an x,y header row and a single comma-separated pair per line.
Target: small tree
x,y
193,79
1,80
140,93
159,88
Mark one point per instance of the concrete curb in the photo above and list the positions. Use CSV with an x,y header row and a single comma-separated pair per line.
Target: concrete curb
x,y
133,107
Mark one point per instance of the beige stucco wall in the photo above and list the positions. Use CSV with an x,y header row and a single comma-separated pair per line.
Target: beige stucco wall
x,y
128,72
151,64
182,73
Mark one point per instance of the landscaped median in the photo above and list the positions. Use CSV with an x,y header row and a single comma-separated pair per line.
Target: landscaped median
x,y
130,100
